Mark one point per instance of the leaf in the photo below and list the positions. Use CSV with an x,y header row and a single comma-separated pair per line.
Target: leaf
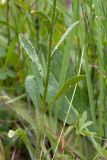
x,y
3,74
60,109
82,119
88,123
63,106
68,84
2,52
89,133
33,87
52,89
30,50
64,36
57,63
11,73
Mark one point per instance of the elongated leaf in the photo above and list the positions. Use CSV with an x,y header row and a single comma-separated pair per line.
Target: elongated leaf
x,y
68,84
30,50
83,119
64,36
63,102
88,123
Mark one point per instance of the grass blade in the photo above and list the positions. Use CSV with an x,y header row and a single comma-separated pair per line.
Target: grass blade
x,y
64,36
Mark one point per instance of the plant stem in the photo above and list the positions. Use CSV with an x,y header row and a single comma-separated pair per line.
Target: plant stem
x,y
49,53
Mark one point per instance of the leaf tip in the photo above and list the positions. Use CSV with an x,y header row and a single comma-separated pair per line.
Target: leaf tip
x,y
20,36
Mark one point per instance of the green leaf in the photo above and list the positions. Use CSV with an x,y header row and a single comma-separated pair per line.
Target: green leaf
x,y
57,63
11,73
88,123
2,52
3,74
33,87
68,84
61,107
89,133
82,119
30,50
64,36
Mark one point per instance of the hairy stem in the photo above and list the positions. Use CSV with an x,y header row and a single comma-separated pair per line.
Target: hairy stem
x,y
49,53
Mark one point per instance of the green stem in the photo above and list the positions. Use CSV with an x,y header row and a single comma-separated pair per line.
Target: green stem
x,y
49,53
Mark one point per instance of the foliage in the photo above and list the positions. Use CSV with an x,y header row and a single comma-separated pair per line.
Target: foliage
x,y
53,79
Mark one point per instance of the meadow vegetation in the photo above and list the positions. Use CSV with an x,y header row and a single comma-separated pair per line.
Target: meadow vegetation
x,y
53,80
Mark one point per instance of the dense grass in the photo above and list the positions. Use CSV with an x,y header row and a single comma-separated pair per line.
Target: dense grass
x,y
53,79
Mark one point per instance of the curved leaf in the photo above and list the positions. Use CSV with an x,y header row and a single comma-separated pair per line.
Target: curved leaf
x,y
68,84
64,36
